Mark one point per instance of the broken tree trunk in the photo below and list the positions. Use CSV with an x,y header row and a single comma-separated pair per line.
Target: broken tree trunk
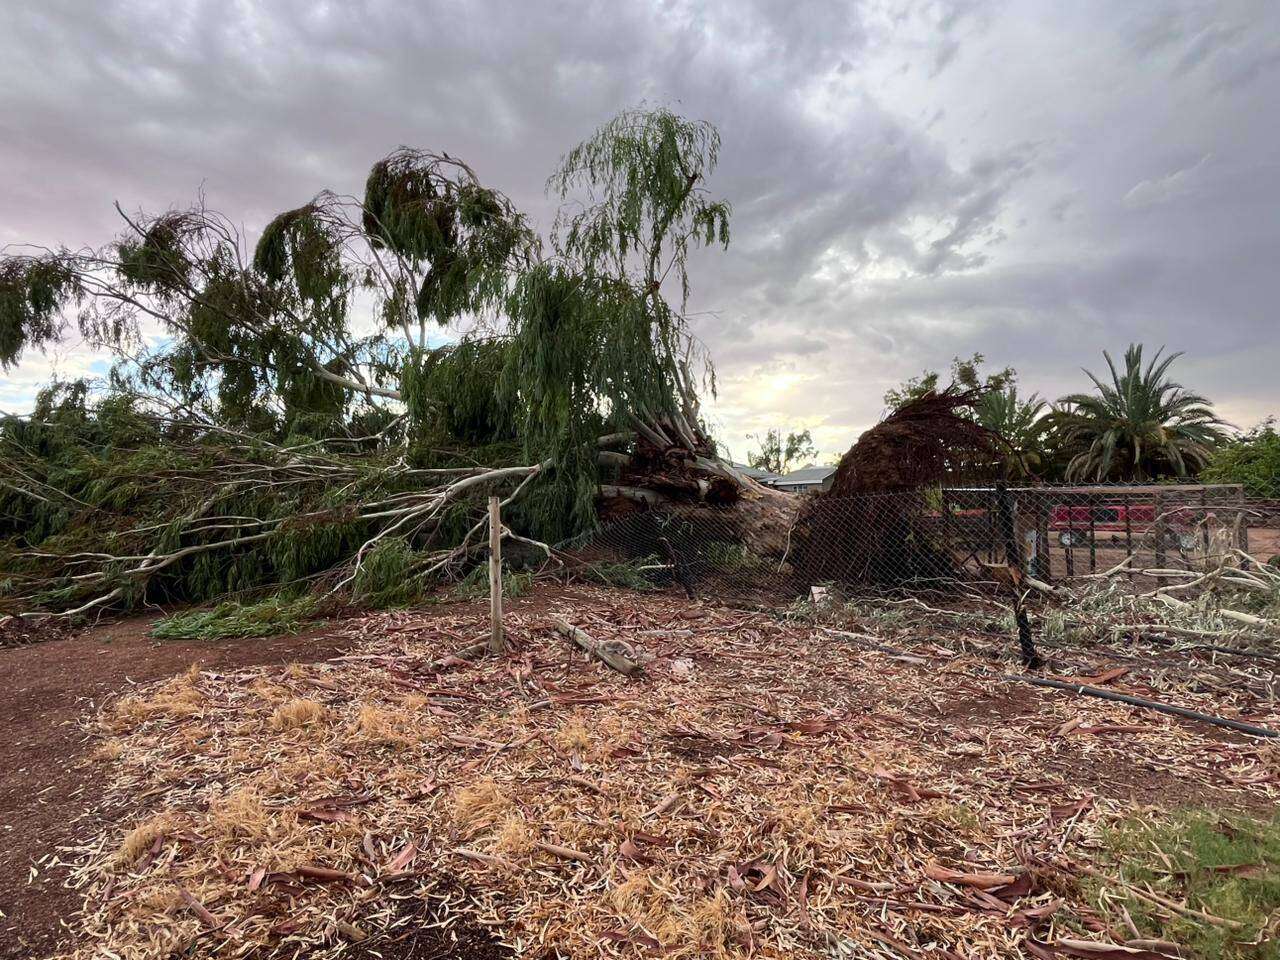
x,y
614,653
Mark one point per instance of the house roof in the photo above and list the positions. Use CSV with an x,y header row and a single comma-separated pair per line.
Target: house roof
x,y
804,476
764,476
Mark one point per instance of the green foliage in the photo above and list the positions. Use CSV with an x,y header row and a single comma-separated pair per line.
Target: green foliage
x,y
101,476
475,585
299,549
1138,426
430,210
1252,459
455,390
294,348
304,245
234,620
388,575
625,575
965,375
643,172
1222,864
157,260
777,455
725,555
32,294
570,360
408,208
594,342
1022,424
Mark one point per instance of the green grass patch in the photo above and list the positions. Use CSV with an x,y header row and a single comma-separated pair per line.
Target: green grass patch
x,y
230,620
625,576
728,556
476,583
389,576
1226,865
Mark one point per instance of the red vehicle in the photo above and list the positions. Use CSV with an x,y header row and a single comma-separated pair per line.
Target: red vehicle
x,y
1077,525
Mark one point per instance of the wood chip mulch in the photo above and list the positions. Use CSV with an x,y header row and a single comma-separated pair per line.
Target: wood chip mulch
x,y
758,789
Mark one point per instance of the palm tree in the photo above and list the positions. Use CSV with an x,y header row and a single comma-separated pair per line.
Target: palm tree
x,y
1020,422
1139,426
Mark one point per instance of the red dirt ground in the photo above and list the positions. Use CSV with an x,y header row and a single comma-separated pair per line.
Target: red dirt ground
x,y
48,781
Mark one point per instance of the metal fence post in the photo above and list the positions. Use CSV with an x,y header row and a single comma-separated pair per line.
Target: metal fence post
x,y
1158,527
1013,560
1243,524
1007,527
1128,532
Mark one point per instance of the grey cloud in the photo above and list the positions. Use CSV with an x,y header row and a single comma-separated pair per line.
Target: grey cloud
x,y
883,221
1166,188
1208,42
1061,207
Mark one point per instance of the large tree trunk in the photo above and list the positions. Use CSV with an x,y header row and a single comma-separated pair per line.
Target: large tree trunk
x,y
705,489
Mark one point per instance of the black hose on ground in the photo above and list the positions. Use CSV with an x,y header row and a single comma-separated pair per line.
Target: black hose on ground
x,y
1088,691
1156,705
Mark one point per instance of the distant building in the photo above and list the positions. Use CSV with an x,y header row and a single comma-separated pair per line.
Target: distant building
x,y
806,478
756,474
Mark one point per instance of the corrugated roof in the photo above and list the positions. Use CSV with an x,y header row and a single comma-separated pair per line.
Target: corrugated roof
x,y
764,476
805,475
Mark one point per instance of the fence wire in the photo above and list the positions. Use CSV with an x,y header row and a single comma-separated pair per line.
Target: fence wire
x,y
927,539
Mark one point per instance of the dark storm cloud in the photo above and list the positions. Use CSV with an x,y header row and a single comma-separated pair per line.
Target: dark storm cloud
x,y
910,180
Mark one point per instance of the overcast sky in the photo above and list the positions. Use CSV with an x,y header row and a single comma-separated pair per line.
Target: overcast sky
x,y
1032,179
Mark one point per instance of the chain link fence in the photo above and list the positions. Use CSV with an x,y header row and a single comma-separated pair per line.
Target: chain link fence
x,y
933,538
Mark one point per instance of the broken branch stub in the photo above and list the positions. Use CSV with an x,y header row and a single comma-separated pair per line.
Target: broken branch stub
x,y
616,654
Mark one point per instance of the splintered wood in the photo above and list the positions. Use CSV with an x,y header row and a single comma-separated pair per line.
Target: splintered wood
x,y
754,789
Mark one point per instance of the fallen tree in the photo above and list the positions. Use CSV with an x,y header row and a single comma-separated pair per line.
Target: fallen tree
x,y
331,407
867,527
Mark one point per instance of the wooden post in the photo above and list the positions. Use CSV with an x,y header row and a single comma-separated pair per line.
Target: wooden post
x,y
497,642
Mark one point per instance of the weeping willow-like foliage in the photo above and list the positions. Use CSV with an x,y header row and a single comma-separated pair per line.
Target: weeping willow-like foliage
x,y
596,346
429,210
643,172
301,421
158,260
453,391
304,246
408,207
32,294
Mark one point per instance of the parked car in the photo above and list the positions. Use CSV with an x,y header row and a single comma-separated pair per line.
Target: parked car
x,y
1076,525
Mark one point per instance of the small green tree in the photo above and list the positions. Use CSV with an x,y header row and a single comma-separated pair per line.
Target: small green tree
x,y
778,455
1251,459
965,375
1138,425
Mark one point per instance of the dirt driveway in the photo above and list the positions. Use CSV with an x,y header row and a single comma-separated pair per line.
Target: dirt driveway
x,y
47,780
